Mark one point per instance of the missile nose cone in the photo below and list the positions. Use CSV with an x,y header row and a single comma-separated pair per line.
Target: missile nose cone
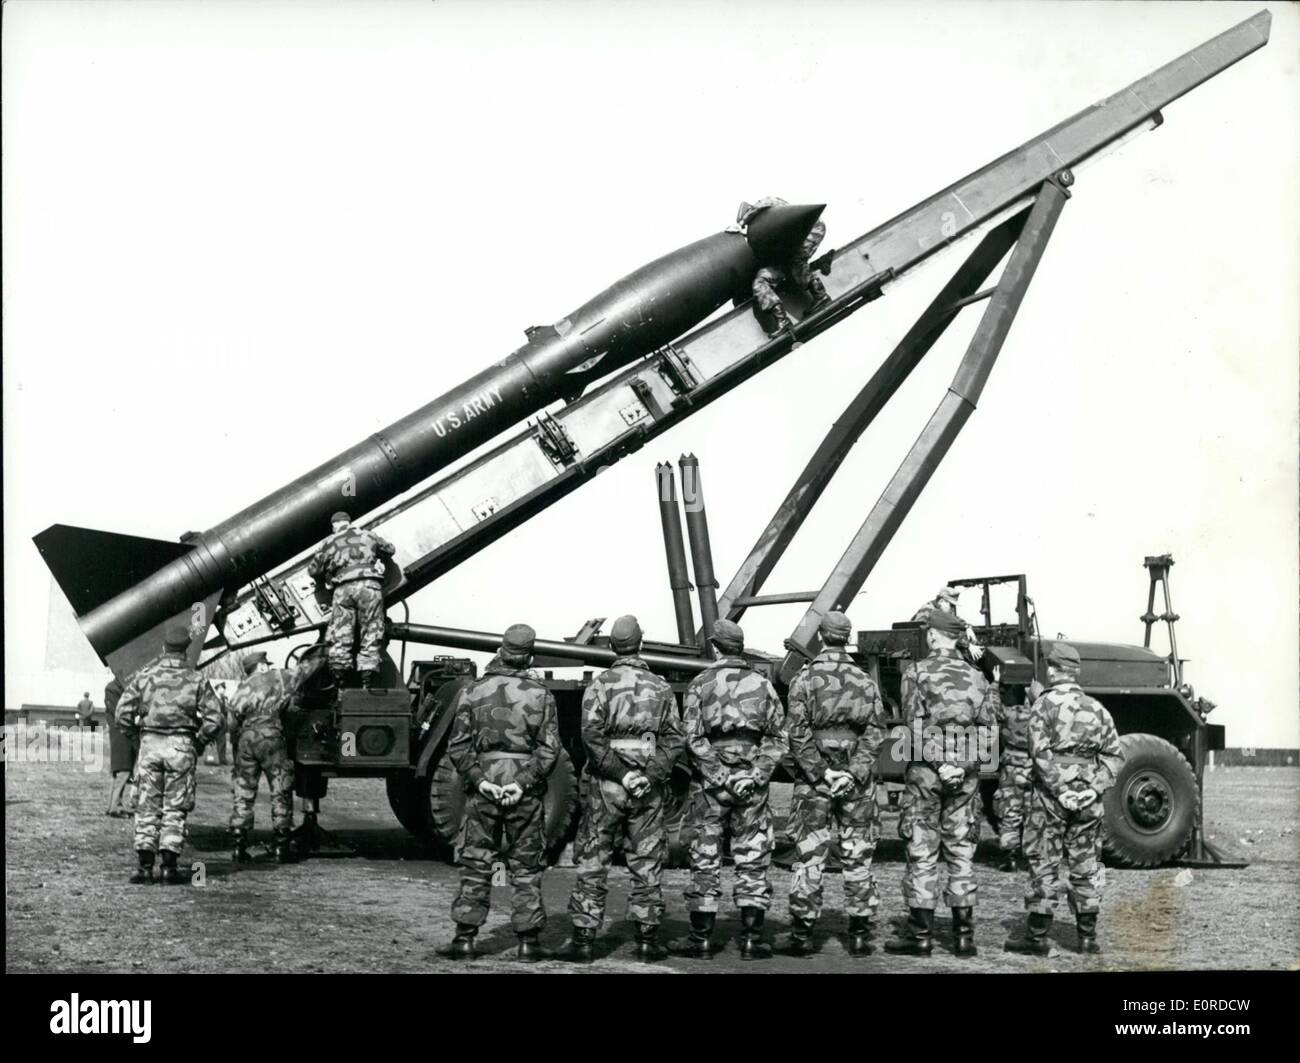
x,y
776,233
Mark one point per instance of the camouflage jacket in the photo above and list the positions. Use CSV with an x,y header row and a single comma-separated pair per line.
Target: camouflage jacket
x,y
508,710
167,696
1073,742
259,702
832,693
1013,726
628,701
731,700
944,691
353,553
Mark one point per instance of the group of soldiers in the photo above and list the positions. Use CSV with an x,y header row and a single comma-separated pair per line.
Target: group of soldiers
x,y
1062,753
172,712
1059,753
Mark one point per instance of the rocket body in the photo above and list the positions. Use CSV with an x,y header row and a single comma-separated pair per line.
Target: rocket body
x,y
637,315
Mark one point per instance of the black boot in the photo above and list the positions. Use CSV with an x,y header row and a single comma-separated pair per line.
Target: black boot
x,y
1086,924
752,945
648,948
817,293
530,949
696,944
143,875
578,949
368,678
918,936
782,322
860,936
800,941
461,947
1035,942
171,874
284,853
239,846
963,931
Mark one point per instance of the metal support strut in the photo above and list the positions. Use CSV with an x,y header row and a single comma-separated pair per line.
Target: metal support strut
x,y
1158,568
938,435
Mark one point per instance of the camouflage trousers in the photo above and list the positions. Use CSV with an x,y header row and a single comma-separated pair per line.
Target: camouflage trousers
x,y
1015,780
939,823
712,811
816,819
357,616
1053,835
165,785
515,837
613,814
262,753
797,272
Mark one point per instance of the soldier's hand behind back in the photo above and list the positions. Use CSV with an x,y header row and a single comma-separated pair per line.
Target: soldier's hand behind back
x,y
511,794
490,790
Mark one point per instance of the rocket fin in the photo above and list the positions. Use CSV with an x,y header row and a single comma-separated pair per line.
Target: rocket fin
x,y
93,566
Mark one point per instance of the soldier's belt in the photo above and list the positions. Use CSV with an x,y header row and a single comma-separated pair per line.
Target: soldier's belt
x,y
1058,759
836,738
632,745
156,731
487,758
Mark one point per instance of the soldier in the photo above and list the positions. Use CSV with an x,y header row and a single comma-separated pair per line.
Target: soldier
x,y
948,705
946,601
122,752
836,726
176,712
735,734
1015,777
1076,758
351,564
505,741
85,712
769,278
633,737
257,736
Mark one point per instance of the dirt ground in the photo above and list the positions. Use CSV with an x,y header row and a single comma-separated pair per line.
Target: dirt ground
x,y
68,906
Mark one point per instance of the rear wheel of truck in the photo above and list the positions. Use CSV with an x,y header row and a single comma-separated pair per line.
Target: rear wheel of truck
x,y
445,799
1152,809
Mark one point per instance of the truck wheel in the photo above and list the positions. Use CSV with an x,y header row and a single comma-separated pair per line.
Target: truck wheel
x,y
446,799
1152,809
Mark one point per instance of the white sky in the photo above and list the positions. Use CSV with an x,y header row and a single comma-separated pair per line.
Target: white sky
x,y
240,237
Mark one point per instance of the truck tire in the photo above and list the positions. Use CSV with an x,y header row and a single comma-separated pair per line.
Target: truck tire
x,y
445,800
400,801
1153,807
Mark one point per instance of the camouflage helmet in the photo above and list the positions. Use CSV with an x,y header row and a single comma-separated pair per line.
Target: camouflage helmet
x,y
947,594
518,641
728,636
176,637
946,623
253,660
1065,657
341,515
625,635
835,628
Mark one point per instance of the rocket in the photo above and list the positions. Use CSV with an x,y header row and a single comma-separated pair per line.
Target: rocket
x,y
124,589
